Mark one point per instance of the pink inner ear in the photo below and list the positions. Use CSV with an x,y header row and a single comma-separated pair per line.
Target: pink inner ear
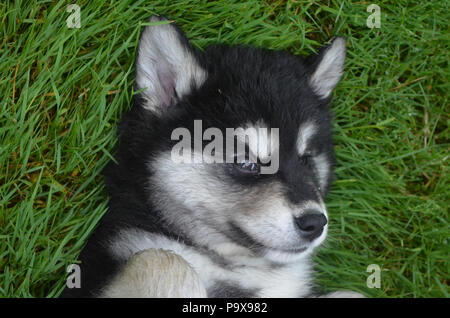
x,y
166,87
166,66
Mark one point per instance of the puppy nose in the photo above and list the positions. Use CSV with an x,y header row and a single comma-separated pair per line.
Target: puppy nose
x,y
311,224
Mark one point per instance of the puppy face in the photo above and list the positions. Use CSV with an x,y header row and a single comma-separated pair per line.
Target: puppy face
x,y
284,99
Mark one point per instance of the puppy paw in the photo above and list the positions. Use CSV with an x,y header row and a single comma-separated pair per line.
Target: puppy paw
x,y
156,273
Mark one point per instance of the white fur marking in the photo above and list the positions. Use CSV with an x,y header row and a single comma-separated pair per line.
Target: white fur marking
x,y
323,168
305,133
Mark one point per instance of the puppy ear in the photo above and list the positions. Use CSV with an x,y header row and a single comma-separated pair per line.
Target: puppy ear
x,y
166,65
328,67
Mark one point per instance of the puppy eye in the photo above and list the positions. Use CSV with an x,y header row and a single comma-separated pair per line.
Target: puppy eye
x,y
306,157
247,167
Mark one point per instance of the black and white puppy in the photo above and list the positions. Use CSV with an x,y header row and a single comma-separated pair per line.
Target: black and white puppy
x,y
211,229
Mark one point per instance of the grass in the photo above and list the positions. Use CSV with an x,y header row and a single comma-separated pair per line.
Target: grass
x,y
63,91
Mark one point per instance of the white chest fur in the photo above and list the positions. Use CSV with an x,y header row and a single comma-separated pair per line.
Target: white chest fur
x,y
244,271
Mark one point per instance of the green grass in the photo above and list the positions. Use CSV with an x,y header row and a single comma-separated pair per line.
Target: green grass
x,y
63,91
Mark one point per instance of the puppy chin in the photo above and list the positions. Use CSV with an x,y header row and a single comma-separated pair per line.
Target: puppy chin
x,y
285,257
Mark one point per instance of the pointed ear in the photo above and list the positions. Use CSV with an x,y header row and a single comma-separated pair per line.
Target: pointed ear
x,y
166,65
328,67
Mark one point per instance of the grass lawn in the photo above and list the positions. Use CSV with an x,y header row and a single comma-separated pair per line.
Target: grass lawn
x,y
63,91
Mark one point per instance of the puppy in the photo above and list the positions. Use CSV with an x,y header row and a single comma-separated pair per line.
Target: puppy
x,y
223,164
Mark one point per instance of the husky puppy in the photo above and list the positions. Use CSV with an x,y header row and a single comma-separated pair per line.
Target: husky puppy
x,y
216,229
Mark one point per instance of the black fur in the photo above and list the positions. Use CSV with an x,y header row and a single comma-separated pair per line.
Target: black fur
x,y
223,289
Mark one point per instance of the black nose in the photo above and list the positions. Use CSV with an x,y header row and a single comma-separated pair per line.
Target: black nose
x,y
311,224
